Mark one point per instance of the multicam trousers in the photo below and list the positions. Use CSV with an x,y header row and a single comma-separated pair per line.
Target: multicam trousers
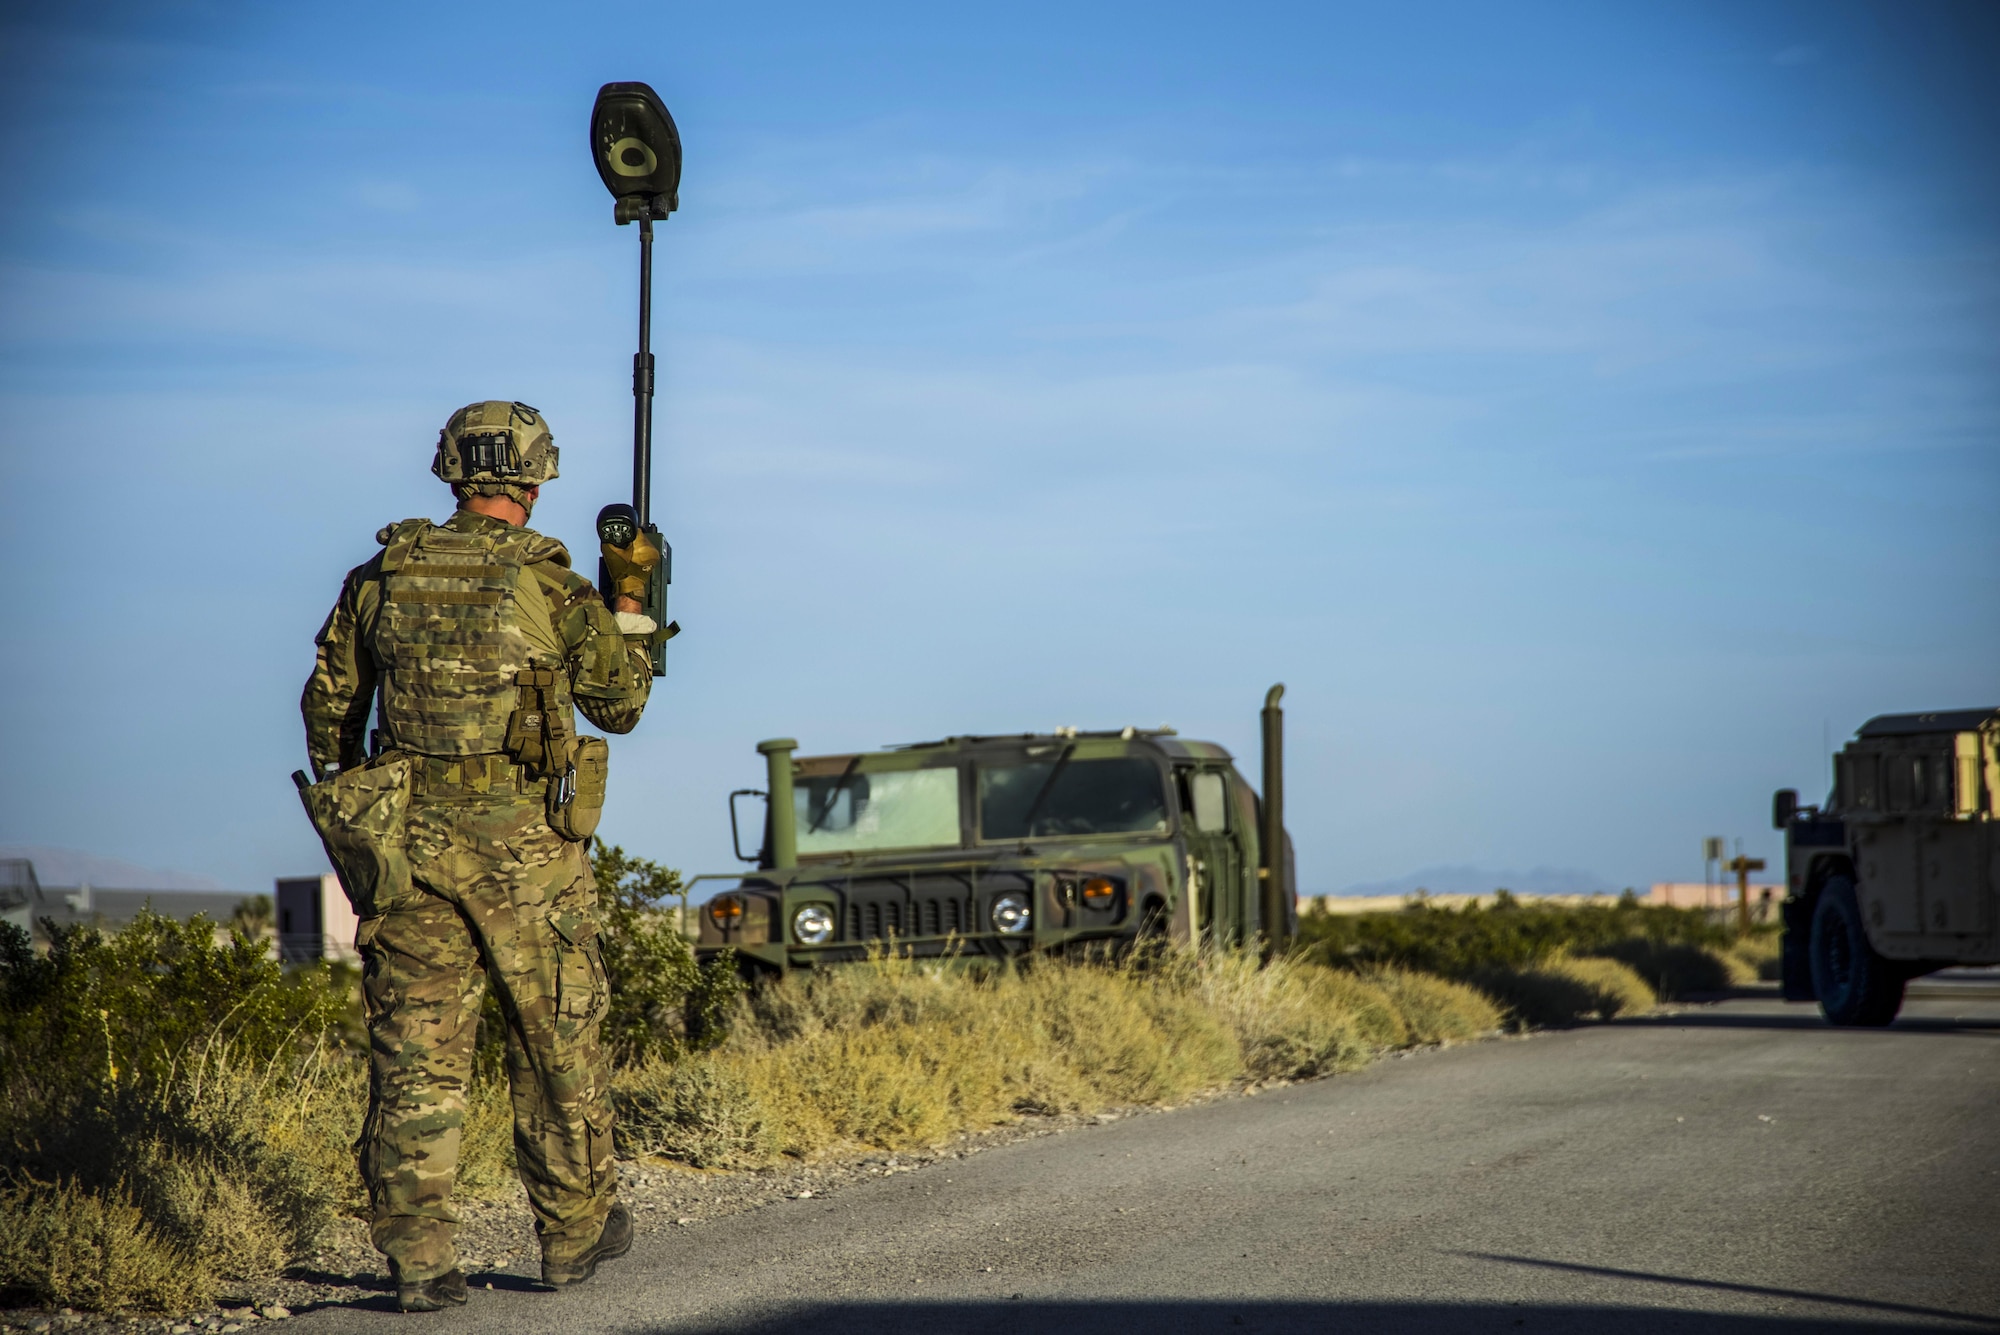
x,y
497,898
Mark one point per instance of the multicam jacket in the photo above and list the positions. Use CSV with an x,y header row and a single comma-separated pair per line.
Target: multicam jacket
x,y
434,630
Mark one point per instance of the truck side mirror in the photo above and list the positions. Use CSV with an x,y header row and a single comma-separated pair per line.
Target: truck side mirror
x,y
735,835
1784,807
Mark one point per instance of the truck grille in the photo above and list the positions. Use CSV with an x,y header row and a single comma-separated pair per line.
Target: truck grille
x,y
877,919
880,908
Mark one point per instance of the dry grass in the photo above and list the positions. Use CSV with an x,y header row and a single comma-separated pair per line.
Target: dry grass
x,y
899,1053
62,1245
1436,1010
1754,958
1564,989
1673,968
225,1163
157,1201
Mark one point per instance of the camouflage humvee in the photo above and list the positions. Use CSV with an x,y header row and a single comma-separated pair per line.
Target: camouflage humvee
x,y
999,846
1899,873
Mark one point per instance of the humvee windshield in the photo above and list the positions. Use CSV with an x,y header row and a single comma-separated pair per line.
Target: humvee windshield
x,y
846,813
1118,795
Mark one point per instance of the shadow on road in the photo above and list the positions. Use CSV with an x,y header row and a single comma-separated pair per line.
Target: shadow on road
x,y
1807,1018
1725,1286
1249,1317
374,1293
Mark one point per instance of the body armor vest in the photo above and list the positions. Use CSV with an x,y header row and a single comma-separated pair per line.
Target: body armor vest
x,y
464,630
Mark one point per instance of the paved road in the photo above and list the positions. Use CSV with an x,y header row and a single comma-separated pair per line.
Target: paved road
x,y
1741,1168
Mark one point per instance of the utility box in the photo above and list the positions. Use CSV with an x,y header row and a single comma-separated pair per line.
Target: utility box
x,y
315,921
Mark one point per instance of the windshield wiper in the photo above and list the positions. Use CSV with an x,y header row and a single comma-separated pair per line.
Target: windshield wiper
x,y
1048,786
826,807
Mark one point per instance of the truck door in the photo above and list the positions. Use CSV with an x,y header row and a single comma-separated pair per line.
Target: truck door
x,y
1952,847
1885,785
1219,870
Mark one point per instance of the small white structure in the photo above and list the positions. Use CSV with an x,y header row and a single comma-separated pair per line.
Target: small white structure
x,y
1716,895
315,921
21,897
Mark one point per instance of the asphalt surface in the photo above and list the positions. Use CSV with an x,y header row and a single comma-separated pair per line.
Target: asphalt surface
x,y
1738,1168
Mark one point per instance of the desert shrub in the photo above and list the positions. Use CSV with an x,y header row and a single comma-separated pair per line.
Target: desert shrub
x,y
1118,1035
1758,955
1455,943
156,1091
1294,1019
1677,969
63,1245
125,1010
699,1111
663,1004
1564,989
1516,951
1435,1010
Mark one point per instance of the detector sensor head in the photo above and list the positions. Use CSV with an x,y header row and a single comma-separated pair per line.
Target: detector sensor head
x,y
637,149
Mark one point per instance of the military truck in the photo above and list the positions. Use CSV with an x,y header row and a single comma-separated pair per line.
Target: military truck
x,y
1898,874
1063,842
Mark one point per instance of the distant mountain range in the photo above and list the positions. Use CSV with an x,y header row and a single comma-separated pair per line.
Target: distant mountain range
x,y
1478,881
69,866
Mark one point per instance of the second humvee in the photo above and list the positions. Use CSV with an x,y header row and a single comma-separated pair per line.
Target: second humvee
x,y
999,846
1898,874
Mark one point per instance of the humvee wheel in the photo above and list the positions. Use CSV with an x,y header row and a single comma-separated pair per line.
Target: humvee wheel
x,y
1856,986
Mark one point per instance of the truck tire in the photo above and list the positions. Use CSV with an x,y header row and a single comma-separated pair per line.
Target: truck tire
x,y
1856,986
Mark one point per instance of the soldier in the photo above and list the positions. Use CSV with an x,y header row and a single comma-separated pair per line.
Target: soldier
x,y
473,639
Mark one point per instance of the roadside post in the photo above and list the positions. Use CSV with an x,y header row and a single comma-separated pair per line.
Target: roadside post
x,y
1743,866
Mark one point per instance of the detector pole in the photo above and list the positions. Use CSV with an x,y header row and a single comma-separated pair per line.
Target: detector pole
x,y
642,385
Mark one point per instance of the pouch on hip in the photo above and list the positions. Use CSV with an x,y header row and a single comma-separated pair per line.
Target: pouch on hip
x,y
576,792
362,816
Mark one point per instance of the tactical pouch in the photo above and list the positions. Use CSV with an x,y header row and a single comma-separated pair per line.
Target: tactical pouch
x,y
362,816
576,792
536,737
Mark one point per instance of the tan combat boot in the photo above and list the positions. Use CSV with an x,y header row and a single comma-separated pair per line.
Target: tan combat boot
x,y
432,1295
613,1242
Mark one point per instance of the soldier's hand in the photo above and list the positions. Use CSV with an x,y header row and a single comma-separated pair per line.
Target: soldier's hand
x,y
631,571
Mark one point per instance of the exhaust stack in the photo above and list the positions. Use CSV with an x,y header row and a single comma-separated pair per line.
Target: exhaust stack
x,y
1274,911
780,820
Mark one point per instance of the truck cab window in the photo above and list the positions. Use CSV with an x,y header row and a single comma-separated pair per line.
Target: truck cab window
x,y
1049,798
1207,798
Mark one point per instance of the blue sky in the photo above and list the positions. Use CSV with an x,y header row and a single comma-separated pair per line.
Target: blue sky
x,y
1584,409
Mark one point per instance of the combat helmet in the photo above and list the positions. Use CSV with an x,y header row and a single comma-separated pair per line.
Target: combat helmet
x,y
495,442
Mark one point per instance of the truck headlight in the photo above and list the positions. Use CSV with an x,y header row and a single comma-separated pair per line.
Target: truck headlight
x,y
1010,914
813,924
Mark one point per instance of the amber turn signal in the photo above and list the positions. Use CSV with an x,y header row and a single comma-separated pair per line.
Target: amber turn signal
x,y
1098,893
725,911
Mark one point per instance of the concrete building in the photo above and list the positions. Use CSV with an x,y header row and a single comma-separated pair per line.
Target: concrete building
x,y
21,897
315,921
30,905
1764,898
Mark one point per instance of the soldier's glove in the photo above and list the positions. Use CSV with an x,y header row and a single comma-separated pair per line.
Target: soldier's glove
x,y
630,568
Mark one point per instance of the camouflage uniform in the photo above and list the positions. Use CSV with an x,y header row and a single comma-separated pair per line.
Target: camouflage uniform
x,y
434,632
